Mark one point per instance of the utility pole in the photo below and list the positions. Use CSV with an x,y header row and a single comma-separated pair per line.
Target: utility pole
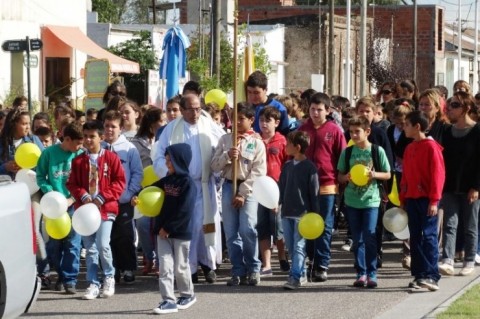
x,y
331,48
459,40
346,76
154,11
363,49
415,32
215,53
475,53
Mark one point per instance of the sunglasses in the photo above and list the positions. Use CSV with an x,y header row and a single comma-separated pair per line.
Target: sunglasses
x,y
386,92
117,93
455,105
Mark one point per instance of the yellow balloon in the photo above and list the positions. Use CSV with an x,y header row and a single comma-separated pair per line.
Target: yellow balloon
x,y
393,196
350,143
27,155
149,176
311,226
59,228
217,96
150,201
359,174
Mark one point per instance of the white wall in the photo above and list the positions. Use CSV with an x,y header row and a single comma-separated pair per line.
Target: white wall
x,y
21,18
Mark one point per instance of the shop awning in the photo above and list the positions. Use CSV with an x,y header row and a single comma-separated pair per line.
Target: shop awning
x,y
75,38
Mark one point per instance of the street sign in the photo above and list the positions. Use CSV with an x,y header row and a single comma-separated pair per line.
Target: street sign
x,y
14,45
35,44
33,61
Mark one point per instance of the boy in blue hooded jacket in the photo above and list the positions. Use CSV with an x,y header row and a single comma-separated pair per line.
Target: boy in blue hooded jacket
x,y
173,230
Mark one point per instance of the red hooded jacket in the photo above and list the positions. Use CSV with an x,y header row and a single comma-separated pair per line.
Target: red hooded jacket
x,y
423,171
111,181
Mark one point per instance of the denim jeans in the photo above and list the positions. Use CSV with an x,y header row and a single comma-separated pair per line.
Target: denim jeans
x,y
363,222
65,255
240,227
146,238
423,239
323,243
456,207
296,247
97,246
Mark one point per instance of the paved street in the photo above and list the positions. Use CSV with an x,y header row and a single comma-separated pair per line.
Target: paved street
x,y
335,298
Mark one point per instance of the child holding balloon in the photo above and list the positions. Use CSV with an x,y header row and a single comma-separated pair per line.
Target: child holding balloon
x,y
53,169
299,193
368,164
420,192
15,133
97,177
174,230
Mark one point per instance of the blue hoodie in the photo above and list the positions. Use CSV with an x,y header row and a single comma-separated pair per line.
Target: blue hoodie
x,y
180,192
132,165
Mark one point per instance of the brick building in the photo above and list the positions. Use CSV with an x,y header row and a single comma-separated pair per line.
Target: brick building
x,y
389,26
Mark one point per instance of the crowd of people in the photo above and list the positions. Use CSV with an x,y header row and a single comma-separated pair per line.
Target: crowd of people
x,y
426,143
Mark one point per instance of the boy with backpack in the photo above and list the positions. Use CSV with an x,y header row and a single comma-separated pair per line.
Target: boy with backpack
x,y
362,201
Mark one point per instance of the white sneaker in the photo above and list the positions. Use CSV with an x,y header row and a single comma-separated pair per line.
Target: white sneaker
x,y
466,271
91,293
446,269
477,259
108,287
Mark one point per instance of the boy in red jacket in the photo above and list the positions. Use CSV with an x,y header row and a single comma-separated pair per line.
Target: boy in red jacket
x,y
98,177
420,191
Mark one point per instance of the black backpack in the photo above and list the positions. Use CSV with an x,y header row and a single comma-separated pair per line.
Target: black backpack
x,y
382,185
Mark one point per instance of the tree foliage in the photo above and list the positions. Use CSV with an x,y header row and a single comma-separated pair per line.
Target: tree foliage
x,y
108,11
140,50
199,66
386,64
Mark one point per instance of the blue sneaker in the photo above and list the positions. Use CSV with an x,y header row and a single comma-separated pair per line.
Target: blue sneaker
x,y
372,280
166,307
185,302
361,281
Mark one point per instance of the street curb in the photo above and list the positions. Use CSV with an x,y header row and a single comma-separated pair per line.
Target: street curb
x,y
443,306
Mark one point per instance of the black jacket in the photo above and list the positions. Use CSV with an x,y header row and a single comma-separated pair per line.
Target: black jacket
x,y
180,192
462,156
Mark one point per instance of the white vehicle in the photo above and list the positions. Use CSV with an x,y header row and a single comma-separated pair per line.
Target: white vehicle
x,y
19,286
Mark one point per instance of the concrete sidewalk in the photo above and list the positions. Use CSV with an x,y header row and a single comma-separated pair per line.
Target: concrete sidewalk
x,y
425,304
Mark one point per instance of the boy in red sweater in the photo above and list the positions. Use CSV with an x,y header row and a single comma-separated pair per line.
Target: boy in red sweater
x,y
420,191
270,224
97,177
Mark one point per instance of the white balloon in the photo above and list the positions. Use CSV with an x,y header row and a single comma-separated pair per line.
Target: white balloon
x,y
403,235
136,213
28,177
395,220
86,219
265,191
53,204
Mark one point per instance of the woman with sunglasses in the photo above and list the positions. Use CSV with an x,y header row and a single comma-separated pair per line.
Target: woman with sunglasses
x,y
387,93
461,152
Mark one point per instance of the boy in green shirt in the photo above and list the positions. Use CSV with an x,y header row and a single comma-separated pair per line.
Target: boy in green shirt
x,y
53,170
362,201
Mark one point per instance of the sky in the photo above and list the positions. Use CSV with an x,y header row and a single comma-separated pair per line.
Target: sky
x,y
451,10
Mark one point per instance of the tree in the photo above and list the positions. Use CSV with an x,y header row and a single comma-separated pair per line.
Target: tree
x,y
108,11
140,50
199,66
137,12
386,64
